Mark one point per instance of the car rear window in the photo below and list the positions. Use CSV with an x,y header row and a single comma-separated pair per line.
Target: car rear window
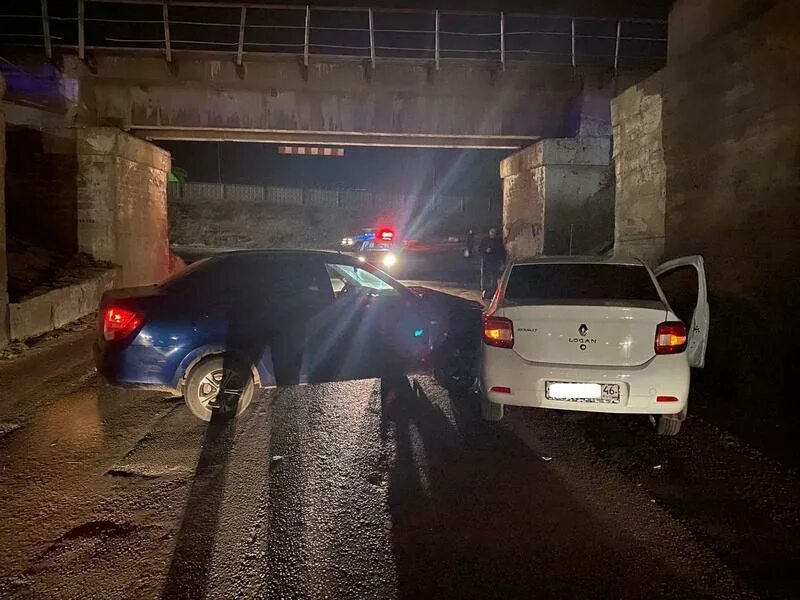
x,y
580,283
237,276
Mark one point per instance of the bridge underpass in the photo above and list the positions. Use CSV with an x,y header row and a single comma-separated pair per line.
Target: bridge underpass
x,y
80,84
705,161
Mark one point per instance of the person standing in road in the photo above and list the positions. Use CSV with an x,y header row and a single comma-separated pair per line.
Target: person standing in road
x,y
493,257
469,245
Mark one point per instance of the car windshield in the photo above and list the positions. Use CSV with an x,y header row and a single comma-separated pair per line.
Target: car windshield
x,y
579,283
359,278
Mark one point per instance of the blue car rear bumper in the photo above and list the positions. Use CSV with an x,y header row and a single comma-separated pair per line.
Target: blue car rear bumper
x,y
136,365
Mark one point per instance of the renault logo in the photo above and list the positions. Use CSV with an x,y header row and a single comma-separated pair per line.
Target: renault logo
x,y
582,329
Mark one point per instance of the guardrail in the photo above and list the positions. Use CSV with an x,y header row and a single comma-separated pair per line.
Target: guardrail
x,y
241,30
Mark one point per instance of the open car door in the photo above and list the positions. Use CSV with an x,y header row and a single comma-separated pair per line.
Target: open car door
x,y
372,328
683,281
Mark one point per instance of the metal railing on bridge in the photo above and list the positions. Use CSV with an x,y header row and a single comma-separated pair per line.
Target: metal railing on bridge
x,y
242,30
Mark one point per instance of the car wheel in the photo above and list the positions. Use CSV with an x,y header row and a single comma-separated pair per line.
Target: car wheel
x,y
490,411
203,387
670,424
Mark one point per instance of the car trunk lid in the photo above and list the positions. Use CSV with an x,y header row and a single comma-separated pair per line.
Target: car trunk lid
x,y
584,335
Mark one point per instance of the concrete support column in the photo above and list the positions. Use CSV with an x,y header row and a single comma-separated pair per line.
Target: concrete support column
x,y
641,175
589,113
558,197
121,200
4,333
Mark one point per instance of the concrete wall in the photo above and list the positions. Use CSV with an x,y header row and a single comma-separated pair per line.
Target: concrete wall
x,y
94,190
710,143
344,198
708,152
553,186
641,174
4,334
226,215
41,188
40,314
121,199
691,22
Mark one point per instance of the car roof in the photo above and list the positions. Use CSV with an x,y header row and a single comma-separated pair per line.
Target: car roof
x,y
583,260
281,252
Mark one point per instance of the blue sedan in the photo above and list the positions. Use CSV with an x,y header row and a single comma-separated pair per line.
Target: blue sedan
x,y
235,321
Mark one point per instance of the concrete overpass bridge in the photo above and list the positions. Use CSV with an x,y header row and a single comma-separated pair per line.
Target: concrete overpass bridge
x,y
466,104
360,76
89,83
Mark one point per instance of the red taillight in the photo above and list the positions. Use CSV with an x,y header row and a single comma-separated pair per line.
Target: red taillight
x,y
670,337
666,399
498,331
119,323
501,389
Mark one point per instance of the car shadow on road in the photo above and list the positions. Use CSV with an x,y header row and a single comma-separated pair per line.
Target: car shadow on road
x,y
477,514
190,566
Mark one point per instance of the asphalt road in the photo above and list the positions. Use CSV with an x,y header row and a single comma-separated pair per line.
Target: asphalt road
x,y
371,489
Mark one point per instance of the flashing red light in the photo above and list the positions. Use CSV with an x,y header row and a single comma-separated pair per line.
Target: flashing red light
x,y
119,323
385,234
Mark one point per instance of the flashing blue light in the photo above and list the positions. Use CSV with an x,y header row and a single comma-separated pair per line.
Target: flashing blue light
x,y
419,332
364,237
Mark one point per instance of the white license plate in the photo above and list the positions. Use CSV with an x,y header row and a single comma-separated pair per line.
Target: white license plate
x,y
582,392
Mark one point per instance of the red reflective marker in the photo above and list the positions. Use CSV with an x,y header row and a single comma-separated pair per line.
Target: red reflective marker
x,y
501,389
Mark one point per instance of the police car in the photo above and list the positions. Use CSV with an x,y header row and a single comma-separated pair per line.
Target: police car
x,y
375,246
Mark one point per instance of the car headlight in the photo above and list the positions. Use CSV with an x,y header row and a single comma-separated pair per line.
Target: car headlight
x,y
347,241
362,259
389,260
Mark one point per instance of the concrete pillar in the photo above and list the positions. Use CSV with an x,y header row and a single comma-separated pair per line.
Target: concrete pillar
x,y
641,174
557,197
589,112
121,199
4,333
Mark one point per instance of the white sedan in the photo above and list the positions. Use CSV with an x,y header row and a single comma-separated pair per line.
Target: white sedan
x,y
594,334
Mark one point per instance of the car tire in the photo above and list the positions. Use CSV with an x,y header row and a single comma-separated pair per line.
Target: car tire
x,y
198,387
490,411
670,424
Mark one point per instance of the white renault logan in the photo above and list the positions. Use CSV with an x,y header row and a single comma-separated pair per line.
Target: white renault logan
x,y
593,334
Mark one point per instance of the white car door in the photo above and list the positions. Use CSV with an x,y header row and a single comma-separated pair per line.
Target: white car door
x,y
700,315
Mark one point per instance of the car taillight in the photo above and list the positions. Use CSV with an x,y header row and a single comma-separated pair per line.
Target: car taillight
x,y
119,323
670,337
498,332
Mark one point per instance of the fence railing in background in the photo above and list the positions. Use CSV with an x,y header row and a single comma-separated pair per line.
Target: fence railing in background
x,y
239,29
329,198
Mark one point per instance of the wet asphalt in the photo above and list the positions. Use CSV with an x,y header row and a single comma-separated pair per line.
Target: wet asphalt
x,y
371,489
